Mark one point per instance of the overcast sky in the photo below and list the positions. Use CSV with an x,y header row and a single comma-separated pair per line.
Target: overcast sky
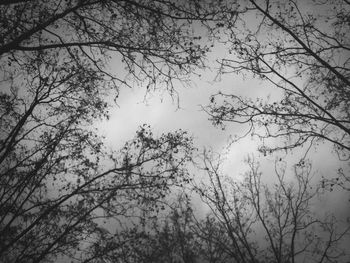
x,y
164,115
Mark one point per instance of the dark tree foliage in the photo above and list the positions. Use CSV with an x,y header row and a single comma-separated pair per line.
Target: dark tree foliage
x,y
301,48
176,235
52,207
165,238
58,184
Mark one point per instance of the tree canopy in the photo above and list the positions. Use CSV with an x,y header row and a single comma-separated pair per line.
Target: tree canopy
x,y
65,196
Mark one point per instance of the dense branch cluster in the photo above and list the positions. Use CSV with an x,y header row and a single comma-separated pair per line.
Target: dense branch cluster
x,y
151,37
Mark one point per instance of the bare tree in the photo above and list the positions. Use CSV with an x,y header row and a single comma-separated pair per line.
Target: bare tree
x,y
301,48
271,223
